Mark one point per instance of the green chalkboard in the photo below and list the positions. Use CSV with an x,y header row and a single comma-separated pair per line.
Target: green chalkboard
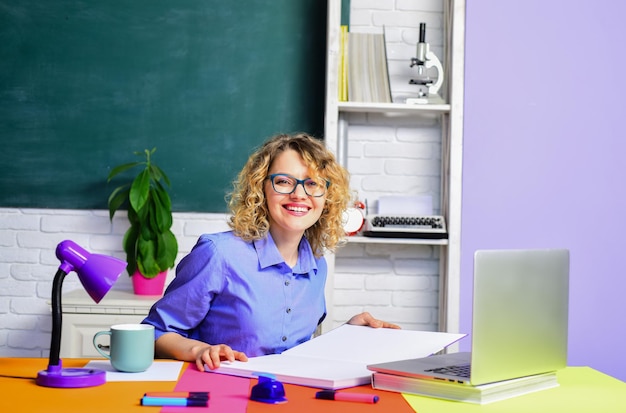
x,y
84,84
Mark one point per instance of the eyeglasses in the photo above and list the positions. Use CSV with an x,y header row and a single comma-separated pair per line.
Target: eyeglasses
x,y
286,184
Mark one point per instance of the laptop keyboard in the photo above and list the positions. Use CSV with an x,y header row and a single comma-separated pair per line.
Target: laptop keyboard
x,y
461,370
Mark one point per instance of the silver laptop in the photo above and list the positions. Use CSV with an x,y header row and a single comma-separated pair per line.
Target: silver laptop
x,y
520,318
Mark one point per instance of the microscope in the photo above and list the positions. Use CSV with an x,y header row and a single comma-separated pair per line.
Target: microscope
x,y
427,89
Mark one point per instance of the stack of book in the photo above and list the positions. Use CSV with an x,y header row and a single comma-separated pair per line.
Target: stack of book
x,y
482,394
363,68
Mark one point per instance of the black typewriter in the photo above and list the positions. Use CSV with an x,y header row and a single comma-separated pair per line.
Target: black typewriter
x,y
406,226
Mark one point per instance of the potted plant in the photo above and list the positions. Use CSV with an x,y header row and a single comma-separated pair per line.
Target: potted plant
x,y
149,243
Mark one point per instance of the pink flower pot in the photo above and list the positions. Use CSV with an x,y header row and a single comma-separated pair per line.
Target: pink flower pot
x,y
149,286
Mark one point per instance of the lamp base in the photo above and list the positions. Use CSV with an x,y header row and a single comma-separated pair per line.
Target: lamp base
x,y
57,376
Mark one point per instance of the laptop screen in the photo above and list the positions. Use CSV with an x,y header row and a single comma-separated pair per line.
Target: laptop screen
x,y
520,318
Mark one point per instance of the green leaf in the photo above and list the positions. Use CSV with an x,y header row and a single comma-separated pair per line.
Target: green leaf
x,y
149,153
130,248
147,261
147,231
150,221
117,199
121,168
143,215
148,210
164,197
162,213
140,190
133,218
167,249
156,171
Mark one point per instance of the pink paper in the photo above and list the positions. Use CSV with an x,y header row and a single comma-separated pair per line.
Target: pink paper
x,y
228,393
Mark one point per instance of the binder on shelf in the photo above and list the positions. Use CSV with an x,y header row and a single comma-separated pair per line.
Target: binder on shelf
x,y
343,64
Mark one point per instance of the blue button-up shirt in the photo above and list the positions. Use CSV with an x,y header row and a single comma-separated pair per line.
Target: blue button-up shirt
x,y
243,294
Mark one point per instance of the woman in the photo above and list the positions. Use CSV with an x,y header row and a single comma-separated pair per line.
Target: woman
x,y
259,288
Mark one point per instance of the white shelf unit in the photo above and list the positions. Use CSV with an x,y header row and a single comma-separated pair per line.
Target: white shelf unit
x,y
450,116
391,108
359,239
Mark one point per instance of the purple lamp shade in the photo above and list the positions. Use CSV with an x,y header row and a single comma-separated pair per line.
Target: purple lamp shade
x,y
96,272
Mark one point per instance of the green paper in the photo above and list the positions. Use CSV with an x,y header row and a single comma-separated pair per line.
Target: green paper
x,y
581,389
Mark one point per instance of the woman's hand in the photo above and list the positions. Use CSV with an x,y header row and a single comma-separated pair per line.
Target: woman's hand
x,y
212,355
173,345
366,319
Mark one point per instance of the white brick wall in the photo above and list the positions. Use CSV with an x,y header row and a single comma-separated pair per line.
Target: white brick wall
x,y
398,283
28,239
395,282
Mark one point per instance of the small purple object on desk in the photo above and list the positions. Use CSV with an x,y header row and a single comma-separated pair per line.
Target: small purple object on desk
x,y
268,390
180,394
345,396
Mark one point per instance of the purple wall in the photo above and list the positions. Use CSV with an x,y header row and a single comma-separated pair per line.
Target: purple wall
x,y
544,161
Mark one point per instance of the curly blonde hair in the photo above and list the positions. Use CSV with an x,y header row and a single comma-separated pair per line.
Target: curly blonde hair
x,y
247,203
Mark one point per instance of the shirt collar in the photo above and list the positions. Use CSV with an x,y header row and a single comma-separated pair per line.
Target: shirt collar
x,y
268,254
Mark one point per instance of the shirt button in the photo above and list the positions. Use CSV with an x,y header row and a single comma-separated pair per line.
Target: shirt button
x,y
284,338
288,310
287,283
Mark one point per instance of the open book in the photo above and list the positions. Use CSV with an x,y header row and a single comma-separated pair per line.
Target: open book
x,y
338,359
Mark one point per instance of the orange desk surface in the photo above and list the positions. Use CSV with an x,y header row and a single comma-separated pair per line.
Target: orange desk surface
x,y
23,395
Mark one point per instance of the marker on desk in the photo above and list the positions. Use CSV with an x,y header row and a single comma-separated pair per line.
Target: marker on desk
x,y
180,394
174,401
344,396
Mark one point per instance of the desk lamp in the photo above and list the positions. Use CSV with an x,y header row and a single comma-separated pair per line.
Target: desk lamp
x,y
97,273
